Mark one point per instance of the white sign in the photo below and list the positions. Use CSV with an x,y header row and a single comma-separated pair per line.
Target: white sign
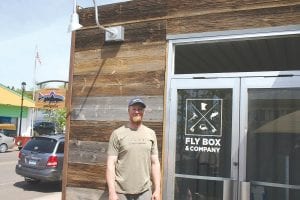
x,y
203,144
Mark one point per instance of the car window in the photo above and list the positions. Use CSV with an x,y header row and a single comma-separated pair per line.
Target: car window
x,y
41,145
60,148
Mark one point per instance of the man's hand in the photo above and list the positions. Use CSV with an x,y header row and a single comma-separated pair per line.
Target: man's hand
x,y
155,170
113,196
155,195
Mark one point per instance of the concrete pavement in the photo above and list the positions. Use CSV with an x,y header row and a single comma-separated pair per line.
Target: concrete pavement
x,y
53,196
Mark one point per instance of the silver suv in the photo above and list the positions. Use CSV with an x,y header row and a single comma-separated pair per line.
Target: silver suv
x,y
41,159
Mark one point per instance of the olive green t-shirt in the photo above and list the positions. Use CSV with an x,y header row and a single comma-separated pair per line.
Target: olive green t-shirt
x,y
134,149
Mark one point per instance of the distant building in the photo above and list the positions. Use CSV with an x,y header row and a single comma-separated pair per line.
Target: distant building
x,y
10,108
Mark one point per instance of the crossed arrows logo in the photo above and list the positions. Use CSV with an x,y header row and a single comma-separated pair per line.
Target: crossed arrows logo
x,y
204,117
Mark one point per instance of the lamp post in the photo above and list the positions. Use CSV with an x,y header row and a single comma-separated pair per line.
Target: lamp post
x,y
21,113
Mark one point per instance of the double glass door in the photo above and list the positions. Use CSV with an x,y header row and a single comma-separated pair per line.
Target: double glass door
x,y
234,139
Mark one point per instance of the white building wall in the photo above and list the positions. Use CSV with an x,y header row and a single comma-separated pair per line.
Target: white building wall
x,y
27,124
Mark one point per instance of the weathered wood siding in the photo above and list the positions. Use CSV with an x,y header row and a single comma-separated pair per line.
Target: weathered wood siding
x,y
107,74
192,16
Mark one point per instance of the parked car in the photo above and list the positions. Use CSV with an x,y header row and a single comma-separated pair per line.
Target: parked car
x,y
6,143
9,133
42,127
41,159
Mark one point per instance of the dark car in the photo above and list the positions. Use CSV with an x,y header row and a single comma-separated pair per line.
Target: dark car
x,y
41,159
42,127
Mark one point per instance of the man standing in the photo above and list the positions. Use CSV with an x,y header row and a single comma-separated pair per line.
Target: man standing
x,y
133,158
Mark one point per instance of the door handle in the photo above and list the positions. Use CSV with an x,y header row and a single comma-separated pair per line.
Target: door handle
x,y
245,190
228,189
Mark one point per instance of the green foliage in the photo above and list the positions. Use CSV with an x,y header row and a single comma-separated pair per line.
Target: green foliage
x,y
59,117
27,94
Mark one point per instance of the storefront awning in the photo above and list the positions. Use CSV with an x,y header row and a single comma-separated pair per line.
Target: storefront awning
x,y
10,97
8,126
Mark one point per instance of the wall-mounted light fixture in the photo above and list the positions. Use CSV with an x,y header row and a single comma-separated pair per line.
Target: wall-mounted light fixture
x,y
115,33
74,23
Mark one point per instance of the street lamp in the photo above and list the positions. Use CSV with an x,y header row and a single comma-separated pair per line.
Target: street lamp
x,y
22,99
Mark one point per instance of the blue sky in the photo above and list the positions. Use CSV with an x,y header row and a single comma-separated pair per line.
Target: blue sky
x,y
27,24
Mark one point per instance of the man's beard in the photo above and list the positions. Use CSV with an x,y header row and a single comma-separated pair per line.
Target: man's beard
x,y
137,119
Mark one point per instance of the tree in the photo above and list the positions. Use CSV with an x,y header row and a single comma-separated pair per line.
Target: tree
x,y
59,117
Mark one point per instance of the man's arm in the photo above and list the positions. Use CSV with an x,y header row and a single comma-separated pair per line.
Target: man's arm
x,y
110,177
155,171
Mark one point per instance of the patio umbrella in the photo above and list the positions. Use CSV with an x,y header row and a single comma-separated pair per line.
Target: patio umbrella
x,y
289,123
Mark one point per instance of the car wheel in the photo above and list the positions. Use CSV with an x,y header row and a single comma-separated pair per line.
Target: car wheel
x,y
31,181
3,148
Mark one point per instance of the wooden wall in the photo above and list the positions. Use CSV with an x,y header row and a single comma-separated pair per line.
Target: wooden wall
x,y
193,16
107,74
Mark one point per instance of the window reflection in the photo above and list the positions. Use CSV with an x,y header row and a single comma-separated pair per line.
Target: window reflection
x,y
273,144
191,189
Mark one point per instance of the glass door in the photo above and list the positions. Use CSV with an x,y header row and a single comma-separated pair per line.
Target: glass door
x,y
270,137
233,139
203,139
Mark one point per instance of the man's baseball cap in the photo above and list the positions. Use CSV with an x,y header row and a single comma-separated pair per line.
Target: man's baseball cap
x,y
136,100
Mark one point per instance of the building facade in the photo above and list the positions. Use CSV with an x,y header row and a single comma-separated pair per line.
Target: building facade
x,y
221,81
10,110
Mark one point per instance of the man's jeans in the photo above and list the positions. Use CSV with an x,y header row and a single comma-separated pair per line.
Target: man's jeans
x,y
142,196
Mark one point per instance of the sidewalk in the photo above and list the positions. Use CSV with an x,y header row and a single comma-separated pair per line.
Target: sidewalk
x,y
54,196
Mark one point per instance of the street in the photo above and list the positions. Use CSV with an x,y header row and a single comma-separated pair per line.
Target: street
x,y
13,186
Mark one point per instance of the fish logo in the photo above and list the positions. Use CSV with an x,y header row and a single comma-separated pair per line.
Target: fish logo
x,y
51,97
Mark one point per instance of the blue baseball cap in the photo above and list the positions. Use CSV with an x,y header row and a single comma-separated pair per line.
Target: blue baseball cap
x,y
137,100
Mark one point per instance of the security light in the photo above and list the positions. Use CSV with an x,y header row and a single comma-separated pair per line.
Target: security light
x,y
115,33
74,24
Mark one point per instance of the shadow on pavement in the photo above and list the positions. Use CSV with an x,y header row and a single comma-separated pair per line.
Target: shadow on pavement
x,y
11,150
44,187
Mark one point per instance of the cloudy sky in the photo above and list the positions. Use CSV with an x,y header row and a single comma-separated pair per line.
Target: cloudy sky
x,y
27,25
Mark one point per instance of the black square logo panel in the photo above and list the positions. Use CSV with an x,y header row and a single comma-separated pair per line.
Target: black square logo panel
x,y
204,117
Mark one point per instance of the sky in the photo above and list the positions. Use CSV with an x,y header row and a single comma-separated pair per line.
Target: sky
x,y
30,26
